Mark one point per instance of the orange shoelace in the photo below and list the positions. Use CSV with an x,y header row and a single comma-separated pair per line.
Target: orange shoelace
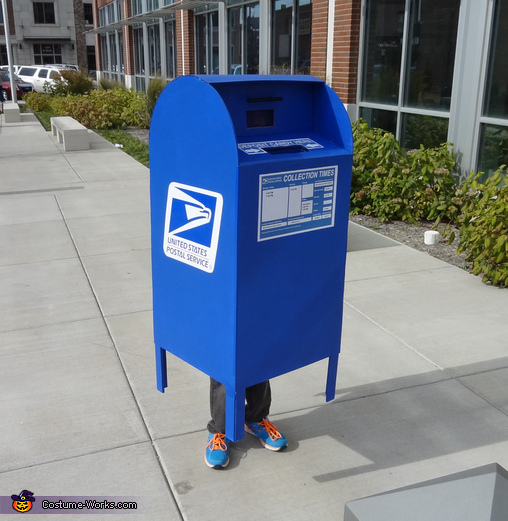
x,y
270,429
218,442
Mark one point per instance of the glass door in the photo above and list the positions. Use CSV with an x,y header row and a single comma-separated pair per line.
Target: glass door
x,y
244,39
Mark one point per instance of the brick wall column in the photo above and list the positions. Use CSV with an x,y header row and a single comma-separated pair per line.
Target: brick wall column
x,y
128,41
346,49
319,36
185,62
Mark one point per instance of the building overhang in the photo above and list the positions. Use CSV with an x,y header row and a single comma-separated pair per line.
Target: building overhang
x,y
182,5
47,39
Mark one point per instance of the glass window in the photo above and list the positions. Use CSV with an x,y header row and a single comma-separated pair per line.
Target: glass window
x,y
432,42
493,148
137,7
496,98
102,17
120,52
154,49
383,51
244,39
112,53
27,71
201,44
213,32
44,12
104,53
419,129
170,48
282,34
494,138
235,40
291,36
377,118
110,10
88,12
139,56
43,73
303,36
207,43
90,52
252,39
1,15
47,53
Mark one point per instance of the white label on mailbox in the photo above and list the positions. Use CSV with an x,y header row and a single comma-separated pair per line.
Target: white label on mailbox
x,y
192,226
296,202
259,147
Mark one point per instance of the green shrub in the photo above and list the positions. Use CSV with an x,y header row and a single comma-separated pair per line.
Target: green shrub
x,y
109,84
37,101
104,109
70,82
484,226
389,183
155,87
57,105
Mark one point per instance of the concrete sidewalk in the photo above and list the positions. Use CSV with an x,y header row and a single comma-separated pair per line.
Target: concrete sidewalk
x,y
423,376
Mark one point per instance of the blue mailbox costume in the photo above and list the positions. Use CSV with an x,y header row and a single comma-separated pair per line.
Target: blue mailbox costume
x,y
250,185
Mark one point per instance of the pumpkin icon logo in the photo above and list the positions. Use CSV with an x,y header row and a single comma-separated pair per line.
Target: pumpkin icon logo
x,y
23,502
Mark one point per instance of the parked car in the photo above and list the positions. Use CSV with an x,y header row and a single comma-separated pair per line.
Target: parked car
x,y
64,66
22,87
15,68
39,75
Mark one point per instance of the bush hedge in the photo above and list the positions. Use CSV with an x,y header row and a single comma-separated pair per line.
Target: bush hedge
x,y
99,110
484,226
390,183
70,82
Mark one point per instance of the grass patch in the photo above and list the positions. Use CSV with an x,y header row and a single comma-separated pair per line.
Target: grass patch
x,y
44,118
135,148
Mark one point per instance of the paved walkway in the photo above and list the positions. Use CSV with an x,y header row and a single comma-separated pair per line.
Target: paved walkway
x,y
422,390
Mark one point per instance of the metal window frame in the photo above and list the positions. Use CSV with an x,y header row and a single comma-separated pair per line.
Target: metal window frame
x,y
470,78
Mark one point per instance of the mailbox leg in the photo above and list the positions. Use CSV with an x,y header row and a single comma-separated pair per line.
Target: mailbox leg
x,y
235,413
162,371
331,380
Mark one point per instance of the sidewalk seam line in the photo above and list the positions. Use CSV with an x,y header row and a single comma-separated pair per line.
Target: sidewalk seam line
x,y
147,430
395,337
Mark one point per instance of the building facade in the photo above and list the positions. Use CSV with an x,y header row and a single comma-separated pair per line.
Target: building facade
x,y
429,71
49,31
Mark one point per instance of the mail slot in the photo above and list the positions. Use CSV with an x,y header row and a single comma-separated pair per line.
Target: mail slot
x,y
249,185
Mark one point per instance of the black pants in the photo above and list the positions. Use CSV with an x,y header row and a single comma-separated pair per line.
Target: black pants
x,y
258,398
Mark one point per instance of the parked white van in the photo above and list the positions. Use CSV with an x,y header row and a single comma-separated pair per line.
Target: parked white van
x,y
38,75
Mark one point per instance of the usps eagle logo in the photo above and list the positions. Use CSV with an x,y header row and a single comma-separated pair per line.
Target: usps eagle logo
x,y
192,225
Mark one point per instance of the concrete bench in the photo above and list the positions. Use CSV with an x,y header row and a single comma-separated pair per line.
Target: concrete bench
x,y
70,132
11,112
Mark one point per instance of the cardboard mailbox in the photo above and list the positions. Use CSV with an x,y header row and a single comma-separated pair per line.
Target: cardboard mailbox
x,y
250,185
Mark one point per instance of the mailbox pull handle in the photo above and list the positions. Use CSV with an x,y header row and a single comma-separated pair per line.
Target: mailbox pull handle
x,y
285,150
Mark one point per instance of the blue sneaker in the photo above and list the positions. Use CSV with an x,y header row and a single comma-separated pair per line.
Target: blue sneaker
x,y
217,451
268,434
